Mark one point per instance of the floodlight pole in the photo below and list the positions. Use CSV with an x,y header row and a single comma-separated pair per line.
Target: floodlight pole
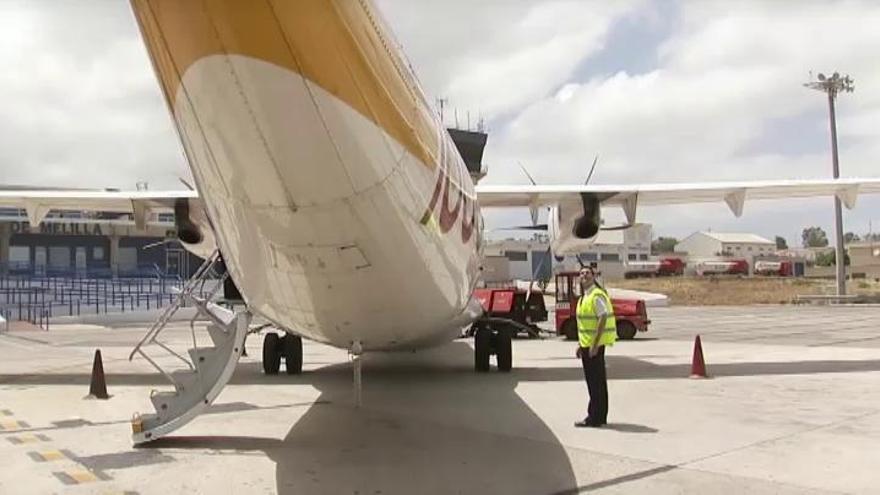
x,y
831,86
839,256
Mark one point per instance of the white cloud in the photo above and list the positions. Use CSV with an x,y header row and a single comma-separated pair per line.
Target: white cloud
x,y
493,57
79,104
726,77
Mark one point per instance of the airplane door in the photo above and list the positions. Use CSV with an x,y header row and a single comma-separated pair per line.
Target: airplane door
x,y
80,260
40,258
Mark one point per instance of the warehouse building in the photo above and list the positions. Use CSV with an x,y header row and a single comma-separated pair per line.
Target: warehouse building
x,y
519,259
701,245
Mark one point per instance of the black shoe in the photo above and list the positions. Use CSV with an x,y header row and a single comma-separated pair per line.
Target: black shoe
x,y
588,423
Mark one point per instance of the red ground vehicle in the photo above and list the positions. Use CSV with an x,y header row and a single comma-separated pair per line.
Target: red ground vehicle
x,y
774,268
510,304
631,314
665,267
722,267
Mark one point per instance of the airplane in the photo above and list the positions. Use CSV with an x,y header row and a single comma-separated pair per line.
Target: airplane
x,y
333,193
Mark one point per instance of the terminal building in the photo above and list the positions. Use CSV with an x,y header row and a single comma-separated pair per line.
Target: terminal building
x,y
522,259
78,245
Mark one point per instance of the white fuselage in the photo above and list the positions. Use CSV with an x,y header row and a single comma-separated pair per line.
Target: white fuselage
x,y
351,260
329,225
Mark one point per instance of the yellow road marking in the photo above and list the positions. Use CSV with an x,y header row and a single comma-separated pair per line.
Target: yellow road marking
x,y
11,425
82,476
52,455
21,439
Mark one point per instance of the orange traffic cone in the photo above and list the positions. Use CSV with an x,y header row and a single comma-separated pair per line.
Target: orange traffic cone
x,y
698,365
98,386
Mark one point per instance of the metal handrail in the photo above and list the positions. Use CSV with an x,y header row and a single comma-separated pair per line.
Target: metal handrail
x,y
169,312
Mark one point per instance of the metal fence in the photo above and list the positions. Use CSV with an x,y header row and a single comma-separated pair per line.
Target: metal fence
x,y
38,298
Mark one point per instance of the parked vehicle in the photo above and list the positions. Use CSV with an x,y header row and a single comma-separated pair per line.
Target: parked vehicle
x,y
722,267
774,268
631,314
521,309
664,267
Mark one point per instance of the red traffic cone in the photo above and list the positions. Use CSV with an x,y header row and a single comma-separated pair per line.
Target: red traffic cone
x,y
98,386
698,365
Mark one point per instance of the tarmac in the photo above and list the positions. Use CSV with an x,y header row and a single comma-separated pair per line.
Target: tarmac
x,y
791,406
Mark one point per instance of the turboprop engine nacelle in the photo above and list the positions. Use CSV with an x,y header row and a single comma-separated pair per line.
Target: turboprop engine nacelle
x,y
193,228
585,220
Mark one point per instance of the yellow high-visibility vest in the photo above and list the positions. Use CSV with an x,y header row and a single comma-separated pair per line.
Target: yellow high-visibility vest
x,y
588,322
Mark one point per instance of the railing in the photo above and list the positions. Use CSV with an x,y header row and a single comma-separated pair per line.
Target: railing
x,y
38,299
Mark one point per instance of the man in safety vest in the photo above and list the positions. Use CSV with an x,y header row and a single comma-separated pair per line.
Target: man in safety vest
x,y
597,329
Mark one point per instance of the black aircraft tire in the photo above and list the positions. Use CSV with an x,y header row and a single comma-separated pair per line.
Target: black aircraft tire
x,y
626,330
482,349
271,353
292,349
504,350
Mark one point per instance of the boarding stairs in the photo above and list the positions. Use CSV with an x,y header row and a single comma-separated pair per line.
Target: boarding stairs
x,y
206,369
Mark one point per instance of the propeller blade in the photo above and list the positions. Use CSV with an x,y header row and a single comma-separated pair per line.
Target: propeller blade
x,y
540,226
618,227
531,179
535,274
592,169
187,184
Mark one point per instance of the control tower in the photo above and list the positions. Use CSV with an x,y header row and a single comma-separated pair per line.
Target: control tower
x,y
470,145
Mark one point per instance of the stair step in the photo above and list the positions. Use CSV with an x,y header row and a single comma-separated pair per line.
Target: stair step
x,y
162,400
201,356
218,334
196,389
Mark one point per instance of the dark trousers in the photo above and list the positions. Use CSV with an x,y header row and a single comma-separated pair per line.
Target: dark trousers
x,y
597,384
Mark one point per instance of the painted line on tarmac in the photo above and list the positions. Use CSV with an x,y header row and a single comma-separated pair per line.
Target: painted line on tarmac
x,y
24,439
80,476
65,425
13,425
50,455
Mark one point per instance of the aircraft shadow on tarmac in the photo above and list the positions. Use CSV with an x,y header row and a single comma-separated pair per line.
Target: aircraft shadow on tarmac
x,y
619,368
428,425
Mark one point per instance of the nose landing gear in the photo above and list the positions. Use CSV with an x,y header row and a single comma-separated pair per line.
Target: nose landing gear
x,y
289,347
488,341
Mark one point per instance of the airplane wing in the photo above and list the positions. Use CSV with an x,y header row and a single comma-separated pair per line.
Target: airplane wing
x,y
38,203
629,197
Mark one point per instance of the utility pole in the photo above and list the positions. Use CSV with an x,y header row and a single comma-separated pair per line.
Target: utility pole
x,y
832,86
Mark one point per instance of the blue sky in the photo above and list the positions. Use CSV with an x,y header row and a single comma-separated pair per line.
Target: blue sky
x,y
663,91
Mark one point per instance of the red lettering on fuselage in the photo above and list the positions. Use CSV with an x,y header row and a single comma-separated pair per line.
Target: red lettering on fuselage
x,y
449,215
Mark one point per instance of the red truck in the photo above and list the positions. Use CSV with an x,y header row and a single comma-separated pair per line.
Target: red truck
x,y
631,314
722,267
664,267
774,268
521,309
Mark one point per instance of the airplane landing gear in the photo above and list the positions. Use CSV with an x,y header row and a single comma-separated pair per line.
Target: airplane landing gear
x,y
488,341
288,347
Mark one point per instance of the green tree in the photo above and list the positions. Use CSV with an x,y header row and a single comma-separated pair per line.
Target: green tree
x,y
850,237
663,245
829,258
781,243
814,237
